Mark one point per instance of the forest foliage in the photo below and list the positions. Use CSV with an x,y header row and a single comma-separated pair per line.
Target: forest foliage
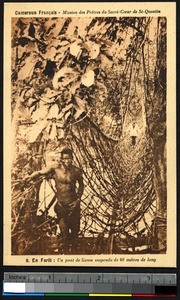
x,y
83,82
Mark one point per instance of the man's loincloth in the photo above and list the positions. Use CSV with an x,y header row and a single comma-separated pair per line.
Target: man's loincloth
x,y
70,215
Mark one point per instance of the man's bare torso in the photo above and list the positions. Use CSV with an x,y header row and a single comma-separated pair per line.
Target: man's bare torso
x,y
65,180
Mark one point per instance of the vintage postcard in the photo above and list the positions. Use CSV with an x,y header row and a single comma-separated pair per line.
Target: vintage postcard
x,y
89,134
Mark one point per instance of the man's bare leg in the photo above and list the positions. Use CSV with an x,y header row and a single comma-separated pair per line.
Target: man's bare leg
x,y
74,235
65,235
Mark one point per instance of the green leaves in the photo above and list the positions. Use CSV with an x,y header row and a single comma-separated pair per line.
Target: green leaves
x,y
89,59
75,48
64,77
88,78
28,66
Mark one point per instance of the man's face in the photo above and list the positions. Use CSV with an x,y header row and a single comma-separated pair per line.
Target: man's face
x,y
66,159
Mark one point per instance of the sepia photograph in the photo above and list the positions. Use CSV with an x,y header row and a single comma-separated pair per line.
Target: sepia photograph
x,y
88,135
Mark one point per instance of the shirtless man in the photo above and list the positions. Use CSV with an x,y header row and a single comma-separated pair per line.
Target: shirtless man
x,y
68,196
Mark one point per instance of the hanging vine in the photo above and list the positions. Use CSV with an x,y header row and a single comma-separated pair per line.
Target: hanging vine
x,y
83,85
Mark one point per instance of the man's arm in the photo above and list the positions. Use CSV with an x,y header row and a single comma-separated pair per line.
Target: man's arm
x,y
81,185
36,174
80,190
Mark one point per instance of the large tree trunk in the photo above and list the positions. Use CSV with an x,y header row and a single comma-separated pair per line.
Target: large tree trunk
x,y
158,134
160,227
160,177
156,121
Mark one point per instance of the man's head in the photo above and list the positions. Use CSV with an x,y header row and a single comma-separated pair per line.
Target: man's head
x,y
67,157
